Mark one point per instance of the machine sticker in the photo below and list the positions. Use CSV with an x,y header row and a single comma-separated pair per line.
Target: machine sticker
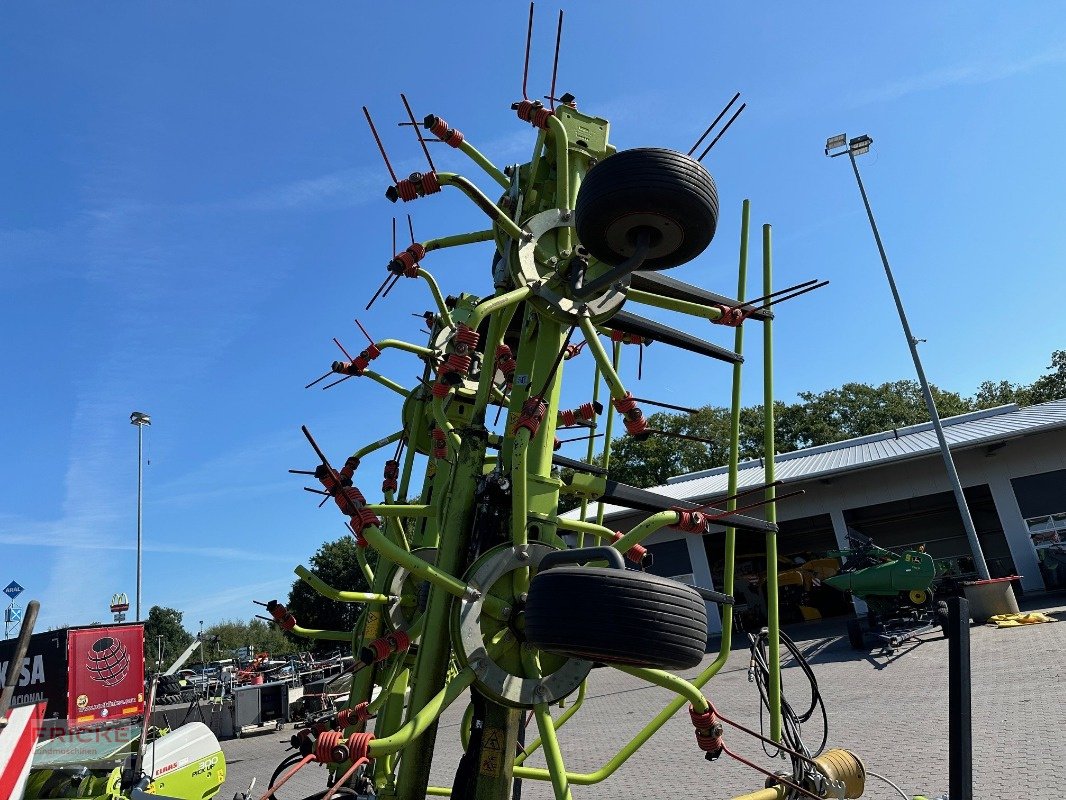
x,y
492,752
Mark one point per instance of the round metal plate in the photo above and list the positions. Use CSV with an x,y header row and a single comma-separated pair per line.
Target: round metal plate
x,y
553,299
492,679
402,618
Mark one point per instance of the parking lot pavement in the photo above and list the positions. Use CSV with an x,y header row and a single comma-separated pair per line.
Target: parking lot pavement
x,y
890,710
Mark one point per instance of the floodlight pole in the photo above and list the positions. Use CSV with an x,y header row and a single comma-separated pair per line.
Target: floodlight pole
x,y
912,343
139,419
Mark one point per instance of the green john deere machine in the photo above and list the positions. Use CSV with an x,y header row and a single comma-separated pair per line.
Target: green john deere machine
x,y
897,589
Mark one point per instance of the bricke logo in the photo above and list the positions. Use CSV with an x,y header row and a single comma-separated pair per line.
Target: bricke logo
x,y
108,661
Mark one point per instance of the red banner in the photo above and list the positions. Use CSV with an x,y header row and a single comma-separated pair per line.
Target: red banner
x,y
106,674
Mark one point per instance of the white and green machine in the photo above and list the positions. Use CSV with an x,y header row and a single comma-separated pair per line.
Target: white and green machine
x,y
182,764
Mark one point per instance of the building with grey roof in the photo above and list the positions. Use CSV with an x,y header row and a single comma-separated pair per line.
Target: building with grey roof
x,y
892,486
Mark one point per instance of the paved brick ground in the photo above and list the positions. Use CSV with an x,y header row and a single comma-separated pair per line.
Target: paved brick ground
x,y
892,711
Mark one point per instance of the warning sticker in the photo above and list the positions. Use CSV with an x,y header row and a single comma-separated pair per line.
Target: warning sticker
x,y
373,625
492,752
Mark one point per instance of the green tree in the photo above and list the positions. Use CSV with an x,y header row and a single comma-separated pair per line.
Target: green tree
x,y
260,636
163,631
1047,387
336,564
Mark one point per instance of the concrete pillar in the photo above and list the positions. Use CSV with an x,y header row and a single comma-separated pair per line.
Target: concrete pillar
x,y
1017,533
840,531
701,575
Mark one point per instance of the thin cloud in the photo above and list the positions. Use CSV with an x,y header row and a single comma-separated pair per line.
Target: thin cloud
x,y
960,75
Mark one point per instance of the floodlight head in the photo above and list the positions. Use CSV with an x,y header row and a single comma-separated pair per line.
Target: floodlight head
x,y
835,143
140,418
860,145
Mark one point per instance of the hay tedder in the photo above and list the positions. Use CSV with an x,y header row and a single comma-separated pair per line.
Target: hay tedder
x,y
481,588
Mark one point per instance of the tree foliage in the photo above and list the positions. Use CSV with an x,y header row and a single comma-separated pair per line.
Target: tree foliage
x,y
335,563
257,635
163,630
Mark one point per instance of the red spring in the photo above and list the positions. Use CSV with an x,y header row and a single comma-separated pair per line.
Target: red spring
x,y
385,646
635,553
359,746
281,615
418,185
457,362
732,317
358,364
533,112
440,444
392,473
439,128
532,416
505,362
585,411
708,731
406,262
401,641
632,417
466,338
328,747
690,521
353,715
363,518
349,500
557,443
628,338
440,388
349,468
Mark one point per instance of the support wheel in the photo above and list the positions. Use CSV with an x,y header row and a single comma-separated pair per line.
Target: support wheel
x,y
855,635
649,189
616,616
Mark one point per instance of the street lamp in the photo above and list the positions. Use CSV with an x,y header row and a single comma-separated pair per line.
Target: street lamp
x,y
140,419
860,145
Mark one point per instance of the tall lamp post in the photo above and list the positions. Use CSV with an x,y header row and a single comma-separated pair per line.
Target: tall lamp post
x,y
860,145
140,419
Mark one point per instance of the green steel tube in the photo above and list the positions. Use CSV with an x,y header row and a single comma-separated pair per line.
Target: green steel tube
x,y
581,527
401,510
773,622
591,451
491,169
370,448
441,418
552,752
485,387
610,374
538,153
495,303
670,304
529,749
393,524
505,223
409,456
425,716
675,684
423,569
458,239
438,298
364,566
734,438
407,347
313,633
438,791
386,382
605,460
519,488
642,530
339,595
562,175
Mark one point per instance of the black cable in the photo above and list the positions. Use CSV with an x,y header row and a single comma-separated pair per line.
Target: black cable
x,y
792,722
287,762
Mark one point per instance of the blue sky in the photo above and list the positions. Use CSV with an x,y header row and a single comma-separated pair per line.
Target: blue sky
x,y
193,206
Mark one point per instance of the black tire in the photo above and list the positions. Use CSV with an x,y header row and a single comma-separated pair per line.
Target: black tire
x,y
616,616
648,187
942,616
855,635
